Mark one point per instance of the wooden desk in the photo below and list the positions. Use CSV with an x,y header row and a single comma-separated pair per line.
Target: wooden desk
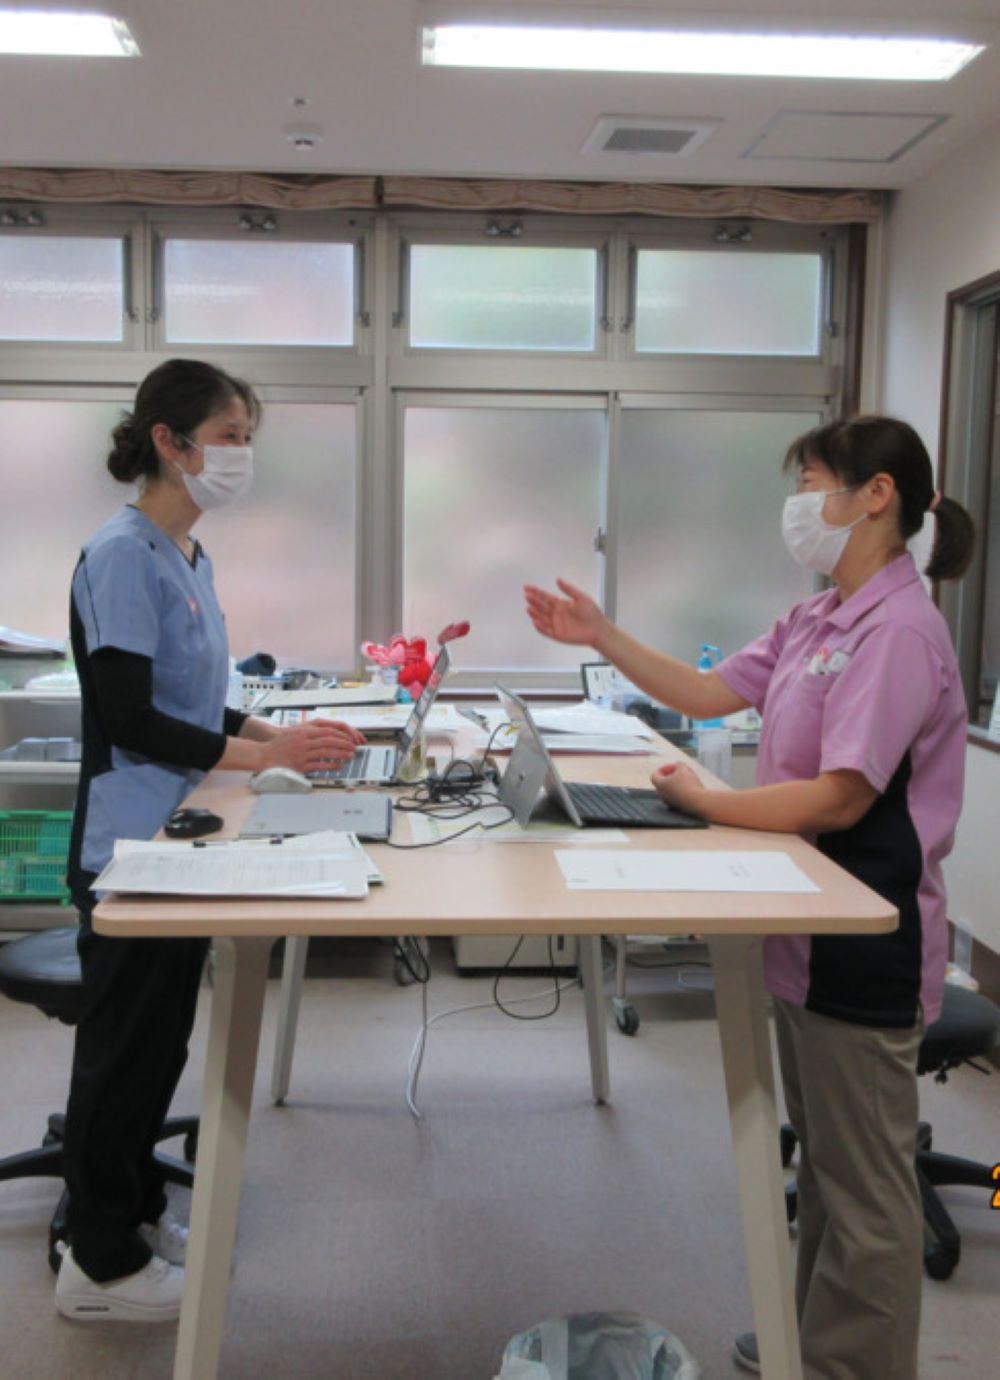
x,y
488,887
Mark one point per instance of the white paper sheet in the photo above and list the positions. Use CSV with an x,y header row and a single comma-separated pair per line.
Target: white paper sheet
x,y
683,870
328,864
613,744
590,719
390,718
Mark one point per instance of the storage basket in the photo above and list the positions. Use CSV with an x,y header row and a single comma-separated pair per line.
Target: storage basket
x,y
33,848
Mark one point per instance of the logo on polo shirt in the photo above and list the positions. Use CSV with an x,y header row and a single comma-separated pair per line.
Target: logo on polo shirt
x,y
826,663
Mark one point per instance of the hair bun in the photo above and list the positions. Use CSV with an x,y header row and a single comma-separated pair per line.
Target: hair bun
x,y
124,456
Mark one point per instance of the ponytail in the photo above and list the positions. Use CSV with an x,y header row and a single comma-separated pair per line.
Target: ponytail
x,y
953,541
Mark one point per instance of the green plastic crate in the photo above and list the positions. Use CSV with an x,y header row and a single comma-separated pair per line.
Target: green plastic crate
x,y
34,845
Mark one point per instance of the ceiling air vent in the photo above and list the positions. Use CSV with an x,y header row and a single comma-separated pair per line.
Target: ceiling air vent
x,y
643,134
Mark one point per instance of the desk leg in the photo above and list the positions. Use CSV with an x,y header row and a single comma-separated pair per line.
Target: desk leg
x,y
597,1028
237,1002
737,962
293,973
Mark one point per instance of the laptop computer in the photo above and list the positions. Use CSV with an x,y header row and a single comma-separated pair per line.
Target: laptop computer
x,y
383,764
365,813
531,776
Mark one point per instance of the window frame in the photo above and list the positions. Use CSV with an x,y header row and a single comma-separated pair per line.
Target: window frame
x,y
969,401
289,229
767,240
537,232
57,224
379,371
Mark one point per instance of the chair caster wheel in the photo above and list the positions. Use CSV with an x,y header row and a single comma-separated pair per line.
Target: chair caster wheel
x,y
788,1142
57,1249
402,973
940,1260
627,1020
791,1202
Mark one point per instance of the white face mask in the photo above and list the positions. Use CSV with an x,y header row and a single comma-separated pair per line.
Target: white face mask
x,y
810,539
226,477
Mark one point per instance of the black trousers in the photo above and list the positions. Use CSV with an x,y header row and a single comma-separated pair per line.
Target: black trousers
x,y
131,1048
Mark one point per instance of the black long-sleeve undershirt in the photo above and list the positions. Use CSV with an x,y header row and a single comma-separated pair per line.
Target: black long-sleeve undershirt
x,y
124,685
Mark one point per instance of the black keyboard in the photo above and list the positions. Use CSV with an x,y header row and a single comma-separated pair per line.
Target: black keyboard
x,y
621,805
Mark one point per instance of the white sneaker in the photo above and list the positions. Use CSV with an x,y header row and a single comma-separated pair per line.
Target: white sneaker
x,y
167,1238
152,1294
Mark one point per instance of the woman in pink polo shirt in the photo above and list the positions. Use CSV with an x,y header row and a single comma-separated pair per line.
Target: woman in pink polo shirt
x,y
862,750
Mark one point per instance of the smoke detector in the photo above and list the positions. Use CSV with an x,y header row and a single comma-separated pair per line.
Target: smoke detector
x,y
655,136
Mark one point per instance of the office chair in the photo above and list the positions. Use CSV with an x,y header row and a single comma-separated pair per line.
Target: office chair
x,y
968,1028
43,970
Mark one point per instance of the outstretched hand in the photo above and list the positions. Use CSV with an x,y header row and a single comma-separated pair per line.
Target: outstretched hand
x,y
575,618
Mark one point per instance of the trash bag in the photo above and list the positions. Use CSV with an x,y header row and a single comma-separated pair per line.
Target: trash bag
x,y
597,1346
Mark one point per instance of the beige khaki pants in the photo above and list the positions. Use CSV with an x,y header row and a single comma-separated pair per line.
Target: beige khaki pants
x,y
851,1094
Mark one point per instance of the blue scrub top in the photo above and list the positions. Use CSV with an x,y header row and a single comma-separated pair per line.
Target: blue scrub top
x,y
135,590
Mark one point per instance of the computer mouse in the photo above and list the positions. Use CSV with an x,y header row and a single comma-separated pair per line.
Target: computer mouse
x,y
280,781
191,823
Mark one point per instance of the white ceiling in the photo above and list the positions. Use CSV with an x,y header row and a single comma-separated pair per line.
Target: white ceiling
x,y
214,86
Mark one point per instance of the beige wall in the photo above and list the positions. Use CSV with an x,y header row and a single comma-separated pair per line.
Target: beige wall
x,y
944,232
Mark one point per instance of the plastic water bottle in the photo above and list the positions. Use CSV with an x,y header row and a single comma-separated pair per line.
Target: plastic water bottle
x,y
714,743
707,661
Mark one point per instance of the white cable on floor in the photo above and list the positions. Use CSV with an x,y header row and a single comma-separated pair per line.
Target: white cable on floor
x,y
417,1053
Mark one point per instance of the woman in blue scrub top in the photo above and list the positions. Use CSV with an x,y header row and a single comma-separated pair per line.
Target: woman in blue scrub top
x,y
149,640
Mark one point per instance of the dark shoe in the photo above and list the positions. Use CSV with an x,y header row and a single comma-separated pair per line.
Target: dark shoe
x,y
745,1352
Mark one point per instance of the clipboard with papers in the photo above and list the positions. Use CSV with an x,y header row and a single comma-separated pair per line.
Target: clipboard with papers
x,y
328,864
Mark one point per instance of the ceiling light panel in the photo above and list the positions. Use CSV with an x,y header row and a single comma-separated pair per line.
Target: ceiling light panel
x,y
61,33
704,54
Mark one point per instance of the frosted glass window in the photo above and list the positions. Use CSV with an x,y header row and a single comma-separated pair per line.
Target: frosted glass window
x,y
284,556
57,491
61,287
701,557
502,297
494,498
703,302
258,293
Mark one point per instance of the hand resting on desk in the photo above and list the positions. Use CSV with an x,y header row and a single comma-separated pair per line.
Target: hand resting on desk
x,y
678,785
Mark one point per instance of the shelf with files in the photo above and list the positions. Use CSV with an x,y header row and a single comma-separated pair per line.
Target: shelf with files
x,y
27,785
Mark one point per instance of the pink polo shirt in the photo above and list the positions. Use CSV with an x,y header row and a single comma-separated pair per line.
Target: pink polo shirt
x,y
869,685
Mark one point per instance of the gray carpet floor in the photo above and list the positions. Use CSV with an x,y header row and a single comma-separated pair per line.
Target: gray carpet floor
x,y
372,1246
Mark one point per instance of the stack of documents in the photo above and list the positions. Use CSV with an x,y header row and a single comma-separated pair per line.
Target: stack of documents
x,y
14,643
328,864
582,727
369,693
